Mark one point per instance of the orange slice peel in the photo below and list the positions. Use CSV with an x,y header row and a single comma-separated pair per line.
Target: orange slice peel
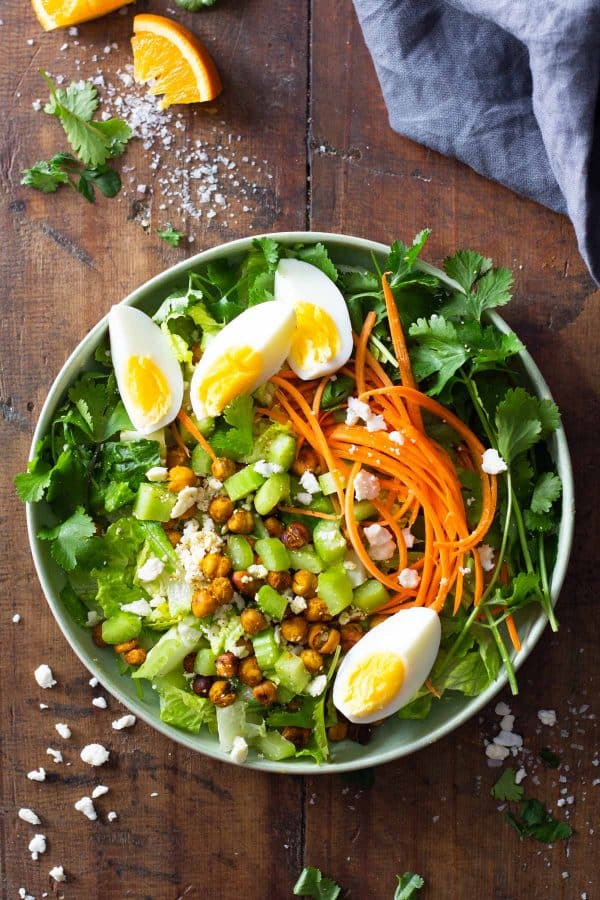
x,y
53,14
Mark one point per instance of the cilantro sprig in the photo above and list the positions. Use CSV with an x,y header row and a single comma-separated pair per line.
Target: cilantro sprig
x,y
533,819
94,143
170,235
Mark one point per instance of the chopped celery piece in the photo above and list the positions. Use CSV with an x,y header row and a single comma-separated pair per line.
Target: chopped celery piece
x,y
231,723
284,695
329,541
154,502
274,746
354,569
201,461
364,510
275,489
370,595
292,672
170,650
282,450
239,552
335,589
244,482
273,554
259,528
204,664
266,648
306,558
160,543
271,602
121,627
327,482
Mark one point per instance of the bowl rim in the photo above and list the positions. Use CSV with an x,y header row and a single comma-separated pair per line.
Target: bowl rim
x,y
136,706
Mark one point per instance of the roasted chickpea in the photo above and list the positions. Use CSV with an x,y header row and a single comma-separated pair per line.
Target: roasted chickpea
x,y
227,665
221,693
295,536
249,671
188,662
196,352
274,526
298,736
125,646
280,581
176,456
173,536
181,477
338,732
306,461
323,638
222,590
253,621
350,635
202,684
220,509
204,603
265,693
294,629
215,565
97,636
135,657
245,584
317,611
313,660
245,645
304,583
241,522
223,468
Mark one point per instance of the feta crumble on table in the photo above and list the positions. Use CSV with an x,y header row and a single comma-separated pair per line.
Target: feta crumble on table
x,y
63,730
44,706
239,751
93,682
486,557
492,463
100,702
98,791
317,685
94,754
28,815
85,806
157,473
547,717
16,618
124,722
139,607
55,754
43,676
408,578
309,483
57,873
37,845
151,569
112,816
37,774
23,895
366,486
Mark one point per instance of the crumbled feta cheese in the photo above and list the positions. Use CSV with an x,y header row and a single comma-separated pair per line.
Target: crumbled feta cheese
x,y
112,816
93,618
37,845
93,682
375,423
124,722
100,702
239,750
366,486
502,709
257,571
186,498
57,873
396,438
486,556
357,410
464,570
98,791
63,730
520,775
23,895
16,618
28,815
194,545
139,607
43,676
408,578
86,807
309,483
377,534
55,754
298,604
44,706
304,498
496,751
37,774
409,538
382,552
317,685
94,754
157,473
547,717
492,463
265,468
151,569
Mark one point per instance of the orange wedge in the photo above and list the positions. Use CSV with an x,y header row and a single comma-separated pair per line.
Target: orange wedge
x,y
60,13
174,60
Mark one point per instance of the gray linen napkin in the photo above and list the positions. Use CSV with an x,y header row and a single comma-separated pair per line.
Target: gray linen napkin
x,y
510,87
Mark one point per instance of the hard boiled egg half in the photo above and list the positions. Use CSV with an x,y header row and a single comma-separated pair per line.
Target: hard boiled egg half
x,y
322,341
242,356
380,674
148,374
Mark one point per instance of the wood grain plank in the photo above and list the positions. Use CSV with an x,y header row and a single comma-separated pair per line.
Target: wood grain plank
x,y
432,812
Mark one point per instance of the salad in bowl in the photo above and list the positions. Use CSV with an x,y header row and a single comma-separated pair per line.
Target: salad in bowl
x,y
303,502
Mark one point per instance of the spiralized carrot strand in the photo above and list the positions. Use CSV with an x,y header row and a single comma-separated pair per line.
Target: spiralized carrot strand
x,y
513,633
178,439
273,414
400,349
312,513
195,432
361,349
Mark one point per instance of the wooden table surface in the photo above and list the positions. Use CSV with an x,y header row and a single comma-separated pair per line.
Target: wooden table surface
x,y
302,115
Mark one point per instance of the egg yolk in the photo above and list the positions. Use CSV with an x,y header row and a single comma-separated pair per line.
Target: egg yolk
x,y
147,388
235,372
315,340
373,683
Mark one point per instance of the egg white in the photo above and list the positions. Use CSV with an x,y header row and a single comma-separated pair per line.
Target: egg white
x,y
298,282
413,635
134,334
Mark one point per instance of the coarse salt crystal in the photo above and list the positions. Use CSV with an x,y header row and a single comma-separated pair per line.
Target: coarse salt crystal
x,y
124,722
28,815
496,751
547,717
492,463
94,754
409,578
43,676
85,806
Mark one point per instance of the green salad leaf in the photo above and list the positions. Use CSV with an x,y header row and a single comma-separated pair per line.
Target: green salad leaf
x,y
185,710
312,883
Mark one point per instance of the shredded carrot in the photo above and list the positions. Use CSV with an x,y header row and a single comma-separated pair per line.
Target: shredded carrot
x,y
313,513
196,433
513,633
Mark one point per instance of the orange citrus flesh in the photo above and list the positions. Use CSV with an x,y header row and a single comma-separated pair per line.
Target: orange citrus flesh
x,y
174,60
60,13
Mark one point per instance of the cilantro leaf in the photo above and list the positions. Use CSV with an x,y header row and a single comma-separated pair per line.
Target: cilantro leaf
x,y
518,423
312,883
548,489
32,484
103,177
506,788
466,266
69,538
194,5
439,351
487,346
487,291
535,822
270,250
48,175
317,255
237,440
493,289
408,885
170,235
80,98
336,392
